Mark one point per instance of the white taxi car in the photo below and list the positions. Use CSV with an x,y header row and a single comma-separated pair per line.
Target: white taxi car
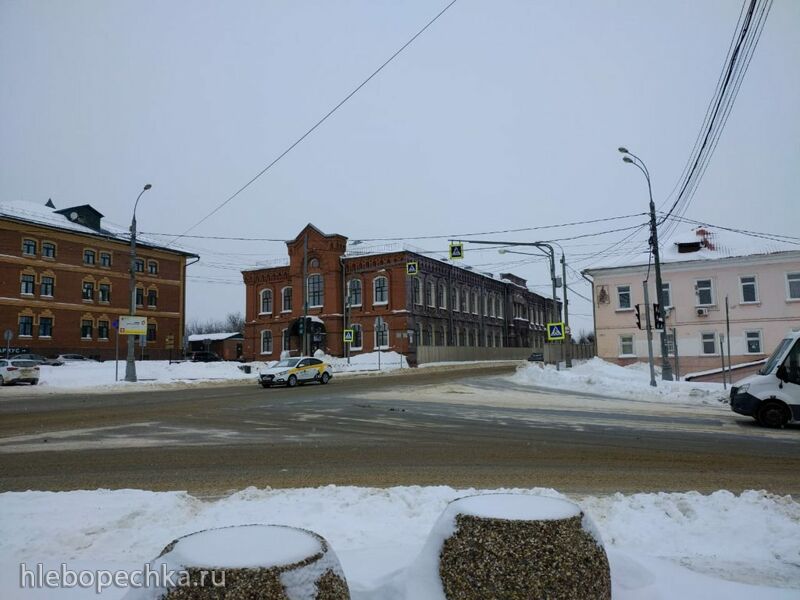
x,y
14,370
293,371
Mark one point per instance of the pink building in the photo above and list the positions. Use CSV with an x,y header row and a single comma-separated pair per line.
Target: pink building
x,y
759,278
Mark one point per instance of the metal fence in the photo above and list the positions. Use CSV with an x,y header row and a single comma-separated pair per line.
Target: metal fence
x,y
552,353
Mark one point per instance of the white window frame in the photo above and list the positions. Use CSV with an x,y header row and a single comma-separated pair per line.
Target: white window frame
x,y
375,301
283,299
416,291
357,326
261,340
360,292
754,284
622,343
621,308
711,288
760,341
261,294
375,334
456,300
322,291
703,342
476,303
430,289
795,276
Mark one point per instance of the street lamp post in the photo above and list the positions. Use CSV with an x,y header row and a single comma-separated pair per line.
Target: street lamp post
x,y
666,367
130,364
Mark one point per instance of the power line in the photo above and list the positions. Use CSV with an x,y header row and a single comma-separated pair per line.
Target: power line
x,y
320,122
775,237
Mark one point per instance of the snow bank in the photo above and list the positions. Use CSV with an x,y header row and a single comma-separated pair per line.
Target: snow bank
x,y
596,376
736,546
369,361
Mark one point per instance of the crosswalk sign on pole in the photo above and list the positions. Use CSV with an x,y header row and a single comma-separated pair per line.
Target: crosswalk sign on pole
x,y
412,268
555,331
456,250
348,336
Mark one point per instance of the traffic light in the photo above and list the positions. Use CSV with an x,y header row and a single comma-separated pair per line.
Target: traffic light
x,y
638,317
658,320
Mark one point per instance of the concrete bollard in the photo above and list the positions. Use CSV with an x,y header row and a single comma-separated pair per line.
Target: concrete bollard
x,y
248,562
513,546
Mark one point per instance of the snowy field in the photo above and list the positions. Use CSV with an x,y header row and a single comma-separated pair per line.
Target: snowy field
x,y
596,376
661,546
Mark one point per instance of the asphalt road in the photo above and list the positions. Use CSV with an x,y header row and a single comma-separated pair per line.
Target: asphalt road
x,y
383,431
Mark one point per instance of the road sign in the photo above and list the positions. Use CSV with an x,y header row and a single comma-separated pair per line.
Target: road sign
x,y
169,342
132,325
8,335
456,250
555,331
115,323
412,268
349,336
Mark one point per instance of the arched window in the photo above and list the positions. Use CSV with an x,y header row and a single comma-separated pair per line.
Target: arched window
x,y
491,305
499,308
266,302
418,334
444,335
381,334
456,300
287,340
315,290
465,301
286,296
415,290
485,304
475,306
426,335
429,294
266,342
354,292
380,290
442,299
358,337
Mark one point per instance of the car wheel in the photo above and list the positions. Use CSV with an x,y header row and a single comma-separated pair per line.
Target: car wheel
x,y
2,381
34,382
292,381
265,385
772,414
325,378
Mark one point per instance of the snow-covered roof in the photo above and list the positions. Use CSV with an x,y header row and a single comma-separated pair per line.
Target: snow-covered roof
x,y
701,244
30,212
201,337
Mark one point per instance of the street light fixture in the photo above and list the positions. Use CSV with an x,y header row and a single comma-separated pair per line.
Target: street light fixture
x,y
666,367
130,363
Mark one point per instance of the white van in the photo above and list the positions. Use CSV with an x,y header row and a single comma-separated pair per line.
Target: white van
x,y
772,396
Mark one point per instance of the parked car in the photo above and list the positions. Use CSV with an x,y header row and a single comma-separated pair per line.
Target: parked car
x,y
772,396
40,360
74,358
293,371
204,356
16,370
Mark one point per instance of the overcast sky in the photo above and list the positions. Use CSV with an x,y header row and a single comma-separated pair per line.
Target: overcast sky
x,y
503,114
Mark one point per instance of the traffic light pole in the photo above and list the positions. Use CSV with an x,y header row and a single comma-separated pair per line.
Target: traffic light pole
x,y
649,334
304,352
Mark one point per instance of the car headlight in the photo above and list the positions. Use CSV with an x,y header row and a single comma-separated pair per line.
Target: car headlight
x,y
743,388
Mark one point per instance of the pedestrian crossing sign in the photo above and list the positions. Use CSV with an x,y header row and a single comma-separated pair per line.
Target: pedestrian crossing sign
x,y
456,250
348,336
555,331
412,268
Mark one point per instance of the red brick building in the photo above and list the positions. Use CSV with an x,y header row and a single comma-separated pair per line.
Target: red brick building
x,y
64,280
443,305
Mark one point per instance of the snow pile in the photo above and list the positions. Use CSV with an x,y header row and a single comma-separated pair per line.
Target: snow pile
x,y
735,546
369,361
596,376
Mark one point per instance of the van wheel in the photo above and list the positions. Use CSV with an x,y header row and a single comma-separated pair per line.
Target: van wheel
x,y
325,378
34,382
772,414
292,381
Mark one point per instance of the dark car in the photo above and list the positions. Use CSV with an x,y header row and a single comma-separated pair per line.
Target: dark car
x,y
204,357
40,360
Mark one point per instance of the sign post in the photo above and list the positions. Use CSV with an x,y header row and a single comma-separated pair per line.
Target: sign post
x,y
115,325
7,336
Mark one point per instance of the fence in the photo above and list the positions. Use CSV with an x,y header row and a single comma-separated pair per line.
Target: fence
x,y
551,353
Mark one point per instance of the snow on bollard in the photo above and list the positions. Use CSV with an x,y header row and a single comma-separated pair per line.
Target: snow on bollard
x,y
247,562
513,546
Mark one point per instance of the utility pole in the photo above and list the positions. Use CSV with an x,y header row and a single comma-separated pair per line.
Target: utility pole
x,y
649,334
666,368
305,294
130,363
728,333
568,349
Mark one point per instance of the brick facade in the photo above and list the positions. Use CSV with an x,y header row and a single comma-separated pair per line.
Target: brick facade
x,y
43,300
426,309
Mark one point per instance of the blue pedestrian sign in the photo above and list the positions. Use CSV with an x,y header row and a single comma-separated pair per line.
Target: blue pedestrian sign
x,y
555,331
456,250
349,334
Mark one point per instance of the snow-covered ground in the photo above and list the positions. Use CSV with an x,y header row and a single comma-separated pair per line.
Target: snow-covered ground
x,y
109,375
596,376
665,545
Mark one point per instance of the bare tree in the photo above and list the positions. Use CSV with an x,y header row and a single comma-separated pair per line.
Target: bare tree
x,y
232,323
586,337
